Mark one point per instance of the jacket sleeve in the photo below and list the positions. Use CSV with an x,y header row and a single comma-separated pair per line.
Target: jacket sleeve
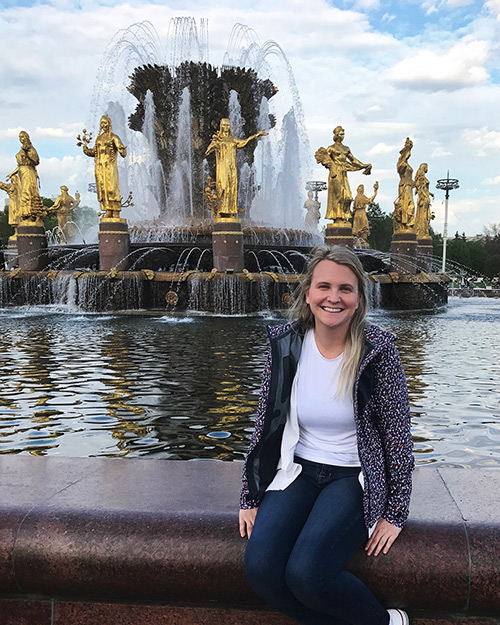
x,y
245,499
394,428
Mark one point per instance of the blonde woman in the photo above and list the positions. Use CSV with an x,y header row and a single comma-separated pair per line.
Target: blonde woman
x,y
333,416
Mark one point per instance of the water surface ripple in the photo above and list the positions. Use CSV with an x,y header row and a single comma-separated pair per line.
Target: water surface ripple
x,y
143,385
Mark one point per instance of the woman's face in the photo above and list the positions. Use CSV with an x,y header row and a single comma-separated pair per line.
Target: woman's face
x,y
333,295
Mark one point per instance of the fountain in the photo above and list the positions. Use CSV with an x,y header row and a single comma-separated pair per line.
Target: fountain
x,y
170,246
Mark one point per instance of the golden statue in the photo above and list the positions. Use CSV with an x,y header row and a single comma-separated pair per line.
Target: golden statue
x,y
404,206
423,215
360,225
313,213
13,188
107,147
29,205
64,205
225,145
338,159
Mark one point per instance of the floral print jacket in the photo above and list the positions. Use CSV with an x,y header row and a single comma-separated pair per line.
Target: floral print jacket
x,y
382,417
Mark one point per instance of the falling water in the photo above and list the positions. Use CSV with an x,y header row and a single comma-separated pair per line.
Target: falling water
x,y
268,195
180,200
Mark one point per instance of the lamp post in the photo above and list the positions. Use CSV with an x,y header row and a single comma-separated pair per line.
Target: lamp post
x,y
446,184
316,186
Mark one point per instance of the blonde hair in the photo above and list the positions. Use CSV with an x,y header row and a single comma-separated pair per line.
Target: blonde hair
x,y
301,311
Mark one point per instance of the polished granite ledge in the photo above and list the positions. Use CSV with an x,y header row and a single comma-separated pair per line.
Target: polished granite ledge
x,y
95,540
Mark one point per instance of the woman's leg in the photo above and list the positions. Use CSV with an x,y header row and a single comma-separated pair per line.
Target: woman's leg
x,y
279,521
333,531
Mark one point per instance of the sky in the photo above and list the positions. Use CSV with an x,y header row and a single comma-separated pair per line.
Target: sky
x,y
424,69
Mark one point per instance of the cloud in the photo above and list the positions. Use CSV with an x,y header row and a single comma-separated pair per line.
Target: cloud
x,y
482,139
462,66
63,132
382,148
492,180
366,5
10,133
439,151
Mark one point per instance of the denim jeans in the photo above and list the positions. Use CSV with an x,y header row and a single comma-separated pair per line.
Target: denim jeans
x,y
302,538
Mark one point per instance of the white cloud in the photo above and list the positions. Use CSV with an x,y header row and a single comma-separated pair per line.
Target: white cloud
x,y
9,133
461,66
439,151
65,131
382,148
363,5
495,180
482,139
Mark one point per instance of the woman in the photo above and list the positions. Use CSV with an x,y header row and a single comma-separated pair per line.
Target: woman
x,y
333,413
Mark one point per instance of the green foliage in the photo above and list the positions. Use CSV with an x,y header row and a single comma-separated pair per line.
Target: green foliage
x,y
5,230
381,228
85,216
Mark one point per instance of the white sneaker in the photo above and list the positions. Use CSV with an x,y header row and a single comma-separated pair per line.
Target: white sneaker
x,y
398,617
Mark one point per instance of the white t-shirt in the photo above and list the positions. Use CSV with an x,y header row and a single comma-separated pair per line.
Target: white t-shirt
x,y
327,431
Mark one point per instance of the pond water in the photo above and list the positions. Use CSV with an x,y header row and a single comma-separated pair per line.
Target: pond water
x,y
147,385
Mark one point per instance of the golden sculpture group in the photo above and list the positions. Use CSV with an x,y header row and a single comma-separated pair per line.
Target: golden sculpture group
x,y
25,203
339,160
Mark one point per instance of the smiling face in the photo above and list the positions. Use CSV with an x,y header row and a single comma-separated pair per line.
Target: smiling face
x,y
333,296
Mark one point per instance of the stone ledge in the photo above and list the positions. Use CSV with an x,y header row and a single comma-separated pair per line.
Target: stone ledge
x,y
95,531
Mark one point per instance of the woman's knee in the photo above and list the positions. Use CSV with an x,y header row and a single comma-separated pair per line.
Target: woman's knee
x,y
261,570
302,576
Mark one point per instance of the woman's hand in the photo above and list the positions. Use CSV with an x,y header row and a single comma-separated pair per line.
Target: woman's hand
x,y
383,536
247,519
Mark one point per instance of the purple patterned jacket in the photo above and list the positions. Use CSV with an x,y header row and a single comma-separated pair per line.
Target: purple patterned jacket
x,y
382,416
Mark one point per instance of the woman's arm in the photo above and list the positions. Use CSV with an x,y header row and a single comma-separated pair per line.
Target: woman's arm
x,y
246,501
393,424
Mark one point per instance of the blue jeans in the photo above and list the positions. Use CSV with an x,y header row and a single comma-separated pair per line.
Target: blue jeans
x,y
302,538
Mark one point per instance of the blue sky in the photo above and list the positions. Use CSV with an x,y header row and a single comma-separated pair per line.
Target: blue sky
x,y
384,70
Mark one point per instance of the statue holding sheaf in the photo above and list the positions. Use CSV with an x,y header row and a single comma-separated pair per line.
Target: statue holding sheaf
x,y
339,159
28,203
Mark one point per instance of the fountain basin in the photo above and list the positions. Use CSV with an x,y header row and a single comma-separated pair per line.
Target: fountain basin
x,y
88,540
212,292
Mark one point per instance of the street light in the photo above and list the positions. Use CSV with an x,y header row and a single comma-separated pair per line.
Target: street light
x,y
446,184
316,186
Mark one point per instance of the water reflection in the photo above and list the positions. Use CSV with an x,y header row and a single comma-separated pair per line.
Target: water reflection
x,y
187,387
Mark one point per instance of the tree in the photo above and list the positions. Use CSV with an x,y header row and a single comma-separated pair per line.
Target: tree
x,y
6,231
381,228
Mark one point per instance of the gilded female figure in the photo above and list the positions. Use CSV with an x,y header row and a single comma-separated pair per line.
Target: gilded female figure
x,y
424,215
107,147
360,225
30,203
404,206
339,159
13,189
225,145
